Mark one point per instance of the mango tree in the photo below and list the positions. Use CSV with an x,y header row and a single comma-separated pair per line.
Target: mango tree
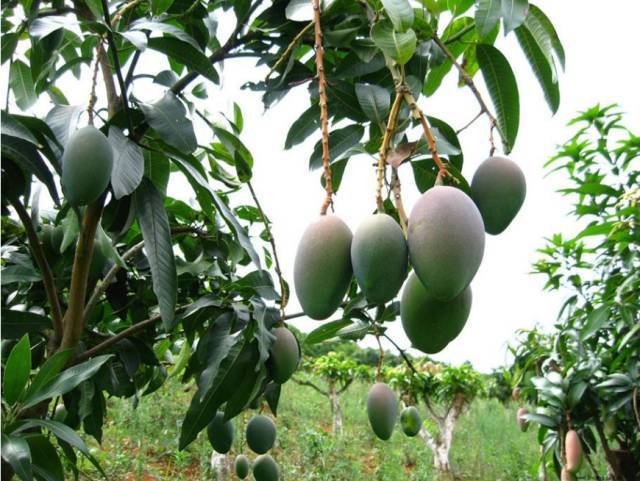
x,y
583,376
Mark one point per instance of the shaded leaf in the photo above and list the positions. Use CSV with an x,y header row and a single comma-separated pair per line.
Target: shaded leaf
x,y
375,102
168,117
185,54
15,451
22,85
128,163
340,141
487,16
400,13
16,324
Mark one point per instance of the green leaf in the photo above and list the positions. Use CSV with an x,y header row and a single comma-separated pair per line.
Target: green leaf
x,y
575,394
66,381
15,451
128,163
487,16
513,13
541,67
13,128
49,370
16,371
375,102
63,119
543,419
245,388
503,89
272,396
9,43
544,32
16,324
160,6
159,27
304,126
400,46
26,156
185,54
595,321
21,83
340,141
299,11
158,247
400,13
241,155
326,331
168,117
43,26
45,461
238,121
257,282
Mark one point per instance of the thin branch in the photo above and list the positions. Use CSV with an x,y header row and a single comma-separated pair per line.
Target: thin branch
x,y
345,387
310,384
431,141
380,359
94,82
132,68
107,76
470,123
294,316
284,294
43,265
384,147
324,114
396,188
289,49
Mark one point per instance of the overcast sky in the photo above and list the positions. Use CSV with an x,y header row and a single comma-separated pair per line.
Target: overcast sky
x,y
600,39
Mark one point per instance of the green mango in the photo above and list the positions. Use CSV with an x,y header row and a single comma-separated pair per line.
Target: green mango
x,y
220,433
242,466
284,355
410,421
382,410
265,469
260,434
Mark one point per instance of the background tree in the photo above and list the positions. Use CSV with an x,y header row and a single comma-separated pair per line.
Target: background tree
x,y
135,270
585,374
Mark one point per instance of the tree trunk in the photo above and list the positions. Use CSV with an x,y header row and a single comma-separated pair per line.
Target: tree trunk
x,y
441,444
542,471
628,468
219,466
336,410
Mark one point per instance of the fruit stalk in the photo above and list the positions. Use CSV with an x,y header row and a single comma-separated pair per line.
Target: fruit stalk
x,y
386,140
289,49
397,196
324,115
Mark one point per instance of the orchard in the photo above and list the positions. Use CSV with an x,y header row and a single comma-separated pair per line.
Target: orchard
x,y
137,254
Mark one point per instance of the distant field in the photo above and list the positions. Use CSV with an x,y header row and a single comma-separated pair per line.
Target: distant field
x,y
141,444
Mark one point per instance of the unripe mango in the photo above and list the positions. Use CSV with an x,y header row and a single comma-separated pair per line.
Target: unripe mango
x,y
379,258
261,434
242,466
446,241
86,166
498,188
523,424
567,475
573,448
220,433
429,323
411,421
322,269
265,469
284,355
382,409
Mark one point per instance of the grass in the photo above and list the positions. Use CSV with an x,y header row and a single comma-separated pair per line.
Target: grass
x,y
141,443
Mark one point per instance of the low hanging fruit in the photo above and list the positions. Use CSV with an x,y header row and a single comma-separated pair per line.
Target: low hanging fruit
x,y
220,433
260,434
379,258
498,188
523,424
410,421
446,241
429,323
322,268
284,355
382,409
242,466
573,448
86,166
265,469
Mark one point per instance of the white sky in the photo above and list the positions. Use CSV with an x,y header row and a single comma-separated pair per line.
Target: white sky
x,y
599,42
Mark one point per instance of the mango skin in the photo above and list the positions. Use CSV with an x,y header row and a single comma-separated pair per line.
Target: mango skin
x,y
220,433
446,240
498,188
410,421
87,163
284,355
322,269
523,424
379,258
242,466
429,323
265,469
382,409
260,434
573,447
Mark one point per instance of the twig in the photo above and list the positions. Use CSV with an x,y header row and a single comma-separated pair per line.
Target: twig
x,y
324,115
125,8
94,82
431,141
310,384
345,387
380,359
294,316
107,76
396,188
43,265
132,67
284,294
404,356
384,147
289,49
470,123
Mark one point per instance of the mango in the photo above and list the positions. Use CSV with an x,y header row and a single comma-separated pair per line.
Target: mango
x,y
322,268
498,188
242,466
220,433
382,410
523,424
446,241
379,258
260,434
284,355
429,323
86,166
573,448
265,469
410,421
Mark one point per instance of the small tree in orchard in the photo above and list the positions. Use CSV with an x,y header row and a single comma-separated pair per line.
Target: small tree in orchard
x,y
582,379
103,268
337,372
446,391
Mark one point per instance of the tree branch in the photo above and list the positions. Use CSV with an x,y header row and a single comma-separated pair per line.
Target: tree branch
x,y
310,384
345,387
284,294
384,147
289,48
43,265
